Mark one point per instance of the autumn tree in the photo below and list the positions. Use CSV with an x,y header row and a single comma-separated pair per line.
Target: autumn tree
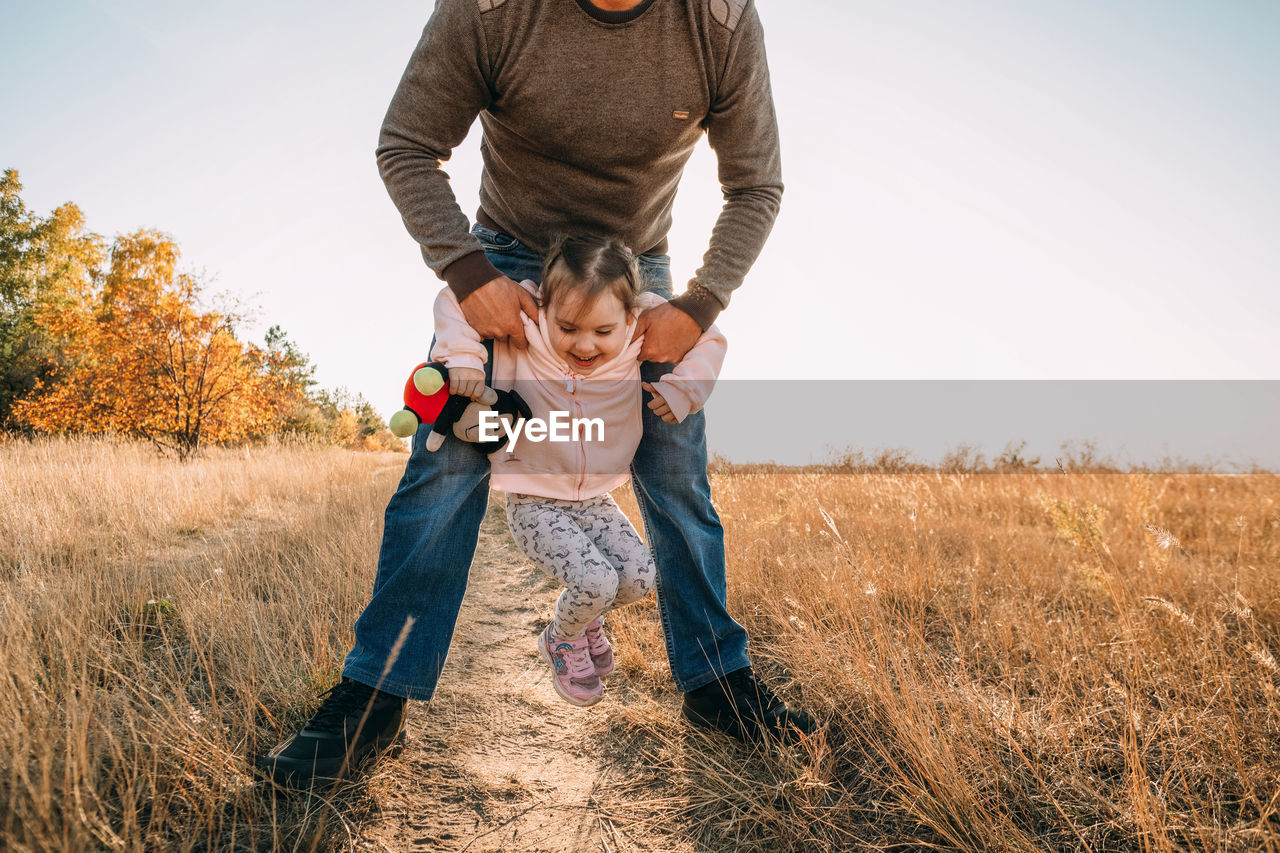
x,y
145,357
120,341
320,415
42,261
289,378
351,421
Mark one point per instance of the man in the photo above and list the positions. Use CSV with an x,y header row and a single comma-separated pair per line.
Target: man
x,y
590,110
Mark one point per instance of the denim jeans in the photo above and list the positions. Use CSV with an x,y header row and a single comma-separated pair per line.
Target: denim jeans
x,y
433,520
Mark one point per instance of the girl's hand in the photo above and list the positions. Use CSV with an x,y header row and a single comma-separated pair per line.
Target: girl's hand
x,y
659,405
467,381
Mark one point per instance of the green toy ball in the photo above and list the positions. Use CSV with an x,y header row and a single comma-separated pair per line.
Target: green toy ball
x,y
428,380
404,423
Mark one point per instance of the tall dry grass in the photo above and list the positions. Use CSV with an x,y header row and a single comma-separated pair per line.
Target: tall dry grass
x,y
161,624
1003,662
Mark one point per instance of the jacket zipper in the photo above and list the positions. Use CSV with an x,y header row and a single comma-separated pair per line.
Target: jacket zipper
x,y
571,385
582,448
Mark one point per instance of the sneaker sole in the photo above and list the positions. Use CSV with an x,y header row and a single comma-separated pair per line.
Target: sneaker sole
x,y
545,653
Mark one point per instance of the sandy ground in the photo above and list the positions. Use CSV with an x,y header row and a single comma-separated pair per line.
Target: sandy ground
x,y
497,761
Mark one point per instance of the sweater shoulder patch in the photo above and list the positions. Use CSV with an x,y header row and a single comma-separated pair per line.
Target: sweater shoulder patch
x,y
727,12
489,5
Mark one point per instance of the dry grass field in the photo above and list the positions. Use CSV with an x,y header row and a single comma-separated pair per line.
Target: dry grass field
x,y
1002,662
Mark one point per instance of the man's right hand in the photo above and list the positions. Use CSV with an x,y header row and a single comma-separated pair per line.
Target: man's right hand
x,y
494,311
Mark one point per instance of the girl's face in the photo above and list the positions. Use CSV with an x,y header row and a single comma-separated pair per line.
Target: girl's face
x,y
587,336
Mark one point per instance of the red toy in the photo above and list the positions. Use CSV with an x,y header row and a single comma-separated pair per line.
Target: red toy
x,y
425,394
427,401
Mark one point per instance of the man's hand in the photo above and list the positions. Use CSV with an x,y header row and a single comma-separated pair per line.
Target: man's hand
x,y
467,382
668,332
494,311
659,404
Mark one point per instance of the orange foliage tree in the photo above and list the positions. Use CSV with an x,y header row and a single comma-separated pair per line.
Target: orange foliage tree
x,y
143,357
40,258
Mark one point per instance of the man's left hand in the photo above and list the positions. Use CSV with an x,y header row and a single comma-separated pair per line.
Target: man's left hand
x,y
668,332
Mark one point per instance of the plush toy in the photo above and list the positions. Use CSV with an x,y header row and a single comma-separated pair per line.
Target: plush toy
x,y
427,401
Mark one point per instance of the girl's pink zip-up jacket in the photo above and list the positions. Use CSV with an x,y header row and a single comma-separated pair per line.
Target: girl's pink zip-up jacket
x,y
574,470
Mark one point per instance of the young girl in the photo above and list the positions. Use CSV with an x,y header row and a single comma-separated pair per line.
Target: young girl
x,y
582,361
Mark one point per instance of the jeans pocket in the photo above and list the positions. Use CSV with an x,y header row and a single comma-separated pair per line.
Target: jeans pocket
x,y
494,241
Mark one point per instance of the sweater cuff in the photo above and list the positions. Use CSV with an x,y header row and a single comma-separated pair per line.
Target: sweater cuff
x,y
700,305
468,274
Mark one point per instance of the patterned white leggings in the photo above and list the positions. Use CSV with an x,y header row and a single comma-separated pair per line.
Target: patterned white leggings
x,y
590,547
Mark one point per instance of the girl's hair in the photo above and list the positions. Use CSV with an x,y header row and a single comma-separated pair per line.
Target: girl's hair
x,y
588,267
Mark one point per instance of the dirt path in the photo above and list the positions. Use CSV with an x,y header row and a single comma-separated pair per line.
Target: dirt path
x,y
497,761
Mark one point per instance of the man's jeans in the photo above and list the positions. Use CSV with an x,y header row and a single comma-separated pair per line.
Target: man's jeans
x,y
433,521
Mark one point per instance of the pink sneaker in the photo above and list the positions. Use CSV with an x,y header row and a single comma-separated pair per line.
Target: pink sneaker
x,y
601,651
572,673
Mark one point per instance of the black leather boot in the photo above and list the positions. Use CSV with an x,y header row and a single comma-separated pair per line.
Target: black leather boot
x,y
339,737
744,708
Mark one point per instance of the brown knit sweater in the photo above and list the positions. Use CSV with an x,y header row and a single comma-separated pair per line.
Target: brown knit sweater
x,y
589,117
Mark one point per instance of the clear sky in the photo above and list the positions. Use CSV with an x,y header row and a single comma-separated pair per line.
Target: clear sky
x,y
980,190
